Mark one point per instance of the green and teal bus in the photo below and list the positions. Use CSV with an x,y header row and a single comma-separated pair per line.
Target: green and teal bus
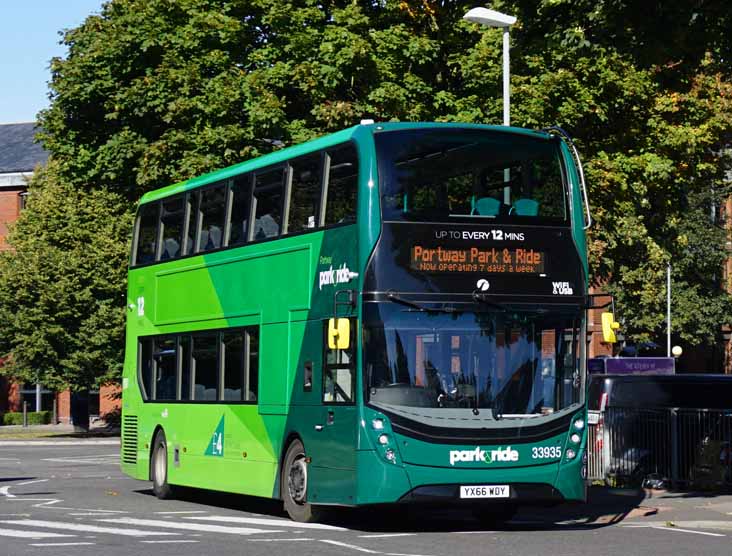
x,y
394,313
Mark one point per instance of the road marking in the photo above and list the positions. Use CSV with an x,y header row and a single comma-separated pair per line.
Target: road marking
x,y
31,482
63,544
188,512
282,540
29,534
79,442
261,521
351,546
385,535
4,492
86,528
677,529
97,460
172,541
189,526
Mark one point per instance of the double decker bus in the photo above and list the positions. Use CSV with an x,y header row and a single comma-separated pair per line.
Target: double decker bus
x,y
394,313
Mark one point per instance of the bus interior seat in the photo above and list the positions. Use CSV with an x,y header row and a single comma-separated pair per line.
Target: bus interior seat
x,y
525,207
214,238
199,392
209,394
487,206
171,249
232,394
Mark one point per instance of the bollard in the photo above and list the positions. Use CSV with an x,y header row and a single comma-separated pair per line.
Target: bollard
x,y
25,413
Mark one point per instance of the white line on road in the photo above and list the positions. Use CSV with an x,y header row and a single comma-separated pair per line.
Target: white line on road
x,y
86,528
351,546
173,541
188,512
63,544
260,521
296,539
78,442
4,492
29,534
31,482
677,529
386,535
189,526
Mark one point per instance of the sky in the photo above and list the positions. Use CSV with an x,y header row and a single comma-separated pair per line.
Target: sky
x,y
28,40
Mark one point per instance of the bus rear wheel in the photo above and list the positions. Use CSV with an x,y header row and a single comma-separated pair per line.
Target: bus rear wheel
x,y
294,485
159,468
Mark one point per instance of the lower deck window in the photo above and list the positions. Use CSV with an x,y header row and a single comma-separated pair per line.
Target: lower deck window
x,y
211,366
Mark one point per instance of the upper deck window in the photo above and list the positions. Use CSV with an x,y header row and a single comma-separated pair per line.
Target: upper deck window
x,y
437,174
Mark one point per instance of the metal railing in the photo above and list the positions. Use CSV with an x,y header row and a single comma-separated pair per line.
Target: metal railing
x,y
662,447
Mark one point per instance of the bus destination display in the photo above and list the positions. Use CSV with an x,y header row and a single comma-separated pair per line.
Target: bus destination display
x,y
513,260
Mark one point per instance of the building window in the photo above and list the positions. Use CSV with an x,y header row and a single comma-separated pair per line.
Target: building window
x,y
23,199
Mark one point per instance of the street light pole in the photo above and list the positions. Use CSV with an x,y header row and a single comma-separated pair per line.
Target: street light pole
x,y
506,79
492,18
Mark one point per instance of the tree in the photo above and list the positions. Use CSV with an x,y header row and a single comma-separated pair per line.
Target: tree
x,y
62,292
156,91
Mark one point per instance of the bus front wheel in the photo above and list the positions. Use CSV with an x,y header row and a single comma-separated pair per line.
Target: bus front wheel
x,y
294,485
159,468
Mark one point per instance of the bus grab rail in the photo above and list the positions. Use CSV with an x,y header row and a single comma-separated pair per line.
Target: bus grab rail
x,y
564,135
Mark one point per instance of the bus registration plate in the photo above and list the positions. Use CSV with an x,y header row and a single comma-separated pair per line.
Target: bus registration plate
x,y
485,491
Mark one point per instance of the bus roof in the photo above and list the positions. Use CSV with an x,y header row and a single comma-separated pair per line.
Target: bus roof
x,y
324,142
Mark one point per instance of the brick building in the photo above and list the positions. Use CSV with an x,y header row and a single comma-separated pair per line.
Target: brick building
x,y
19,157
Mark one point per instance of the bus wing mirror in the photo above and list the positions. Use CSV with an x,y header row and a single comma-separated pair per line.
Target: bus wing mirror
x,y
339,333
609,326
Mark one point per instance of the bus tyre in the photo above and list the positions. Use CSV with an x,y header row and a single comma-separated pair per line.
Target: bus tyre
x,y
159,468
294,485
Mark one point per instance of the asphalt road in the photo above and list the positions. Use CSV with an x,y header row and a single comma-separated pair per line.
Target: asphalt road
x,y
73,500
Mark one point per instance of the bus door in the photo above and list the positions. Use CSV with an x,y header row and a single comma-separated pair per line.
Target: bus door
x,y
336,430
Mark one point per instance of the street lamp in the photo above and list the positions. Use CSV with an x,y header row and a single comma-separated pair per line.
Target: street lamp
x,y
492,18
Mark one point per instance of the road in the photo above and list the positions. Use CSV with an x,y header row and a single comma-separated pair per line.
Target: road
x,y
72,499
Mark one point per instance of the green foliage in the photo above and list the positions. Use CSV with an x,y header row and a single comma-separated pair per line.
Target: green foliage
x,y
156,91
62,292
34,418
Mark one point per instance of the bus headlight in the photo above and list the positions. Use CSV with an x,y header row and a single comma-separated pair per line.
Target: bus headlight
x,y
378,424
390,455
383,439
579,424
575,438
570,453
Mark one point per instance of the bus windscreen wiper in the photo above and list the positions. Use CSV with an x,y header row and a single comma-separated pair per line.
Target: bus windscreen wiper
x,y
483,298
407,303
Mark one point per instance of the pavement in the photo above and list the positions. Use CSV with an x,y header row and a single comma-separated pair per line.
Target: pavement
x,y
71,499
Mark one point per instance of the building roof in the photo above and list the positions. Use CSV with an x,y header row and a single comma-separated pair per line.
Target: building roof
x,y
18,152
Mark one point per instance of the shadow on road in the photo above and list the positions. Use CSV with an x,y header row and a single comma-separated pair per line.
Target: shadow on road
x,y
605,507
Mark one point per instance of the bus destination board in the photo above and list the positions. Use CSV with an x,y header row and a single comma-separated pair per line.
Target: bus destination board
x,y
459,260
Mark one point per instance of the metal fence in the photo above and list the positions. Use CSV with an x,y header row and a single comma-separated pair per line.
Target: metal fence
x,y
662,447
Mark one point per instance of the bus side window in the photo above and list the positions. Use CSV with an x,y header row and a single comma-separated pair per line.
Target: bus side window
x,y
185,367
342,189
234,365
267,201
192,224
339,383
305,197
165,368
205,367
145,366
252,370
213,216
171,221
241,195
147,233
